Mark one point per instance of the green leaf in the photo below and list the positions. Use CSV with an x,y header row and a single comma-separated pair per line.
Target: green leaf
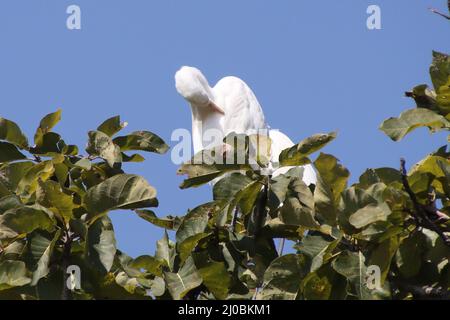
x,y
318,250
168,223
41,249
186,246
9,202
49,143
29,182
111,126
384,175
122,191
214,274
143,141
55,198
440,69
370,214
443,98
409,255
397,128
352,266
101,244
13,274
24,220
331,182
165,251
46,125
133,158
382,256
186,279
208,165
353,199
12,173
195,222
283,277
101,145
149,263
10,131
297,155
298,206
9,152
237,189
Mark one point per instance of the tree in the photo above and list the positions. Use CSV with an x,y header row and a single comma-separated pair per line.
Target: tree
x,y
54,206
385,237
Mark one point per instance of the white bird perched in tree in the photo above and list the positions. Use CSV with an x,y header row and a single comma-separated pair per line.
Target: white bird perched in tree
x,y
231,106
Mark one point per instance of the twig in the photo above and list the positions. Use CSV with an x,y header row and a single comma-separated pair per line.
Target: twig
x,y
420,213
439,13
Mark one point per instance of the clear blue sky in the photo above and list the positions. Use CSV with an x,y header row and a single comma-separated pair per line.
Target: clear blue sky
x,y
313,65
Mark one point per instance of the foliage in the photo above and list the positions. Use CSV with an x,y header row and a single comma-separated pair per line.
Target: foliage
x,y
54,206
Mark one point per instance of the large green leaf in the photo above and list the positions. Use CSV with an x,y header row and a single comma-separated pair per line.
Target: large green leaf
x,y
186,279
382,255
111,126
214,274
331,182
29,182
370,214
165,251
13,274
353,199
122,191
409,254
9,202
46,125
237,189
101,145
352,266
52,196
142,140
12,173
10,131
283,277
195,222
208,165
186,246
101,244
41,249
24,220
297,155
440,69
9,152
397,128
317,249
149,263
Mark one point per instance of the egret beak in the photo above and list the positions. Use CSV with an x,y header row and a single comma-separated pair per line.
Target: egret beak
x,y
216,108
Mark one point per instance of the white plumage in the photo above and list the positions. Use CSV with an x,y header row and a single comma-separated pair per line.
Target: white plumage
x,y
230,106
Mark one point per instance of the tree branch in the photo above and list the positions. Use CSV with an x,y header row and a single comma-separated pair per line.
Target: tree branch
x,y
439,13
420,213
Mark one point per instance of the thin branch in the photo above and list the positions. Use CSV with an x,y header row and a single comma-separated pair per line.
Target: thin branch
x,y
439,13
420,213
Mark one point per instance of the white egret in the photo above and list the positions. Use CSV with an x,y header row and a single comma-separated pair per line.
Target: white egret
x,y
230,106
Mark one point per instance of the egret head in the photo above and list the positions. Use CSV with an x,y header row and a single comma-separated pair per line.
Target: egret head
x,y
194,87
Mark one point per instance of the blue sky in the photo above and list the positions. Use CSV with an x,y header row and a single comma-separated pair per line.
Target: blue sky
x,y
313,65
